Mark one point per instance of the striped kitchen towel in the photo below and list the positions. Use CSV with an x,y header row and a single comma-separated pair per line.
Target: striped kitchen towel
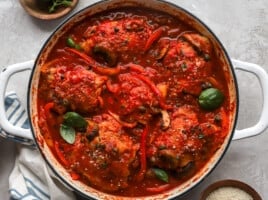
x,y
31,178
17,115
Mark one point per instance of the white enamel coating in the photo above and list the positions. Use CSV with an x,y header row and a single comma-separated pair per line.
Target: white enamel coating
x,y
262,76
4,78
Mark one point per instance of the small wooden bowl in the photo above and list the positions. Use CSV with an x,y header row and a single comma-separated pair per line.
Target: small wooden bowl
x,y
39,9
230,183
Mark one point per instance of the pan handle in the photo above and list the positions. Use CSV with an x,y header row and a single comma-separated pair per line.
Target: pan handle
x,y
4,78
262,76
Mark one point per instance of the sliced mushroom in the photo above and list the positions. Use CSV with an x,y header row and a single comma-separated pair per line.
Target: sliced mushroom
x,y
165,119
200,42
186,170
185,160
170,158
163,49
104,50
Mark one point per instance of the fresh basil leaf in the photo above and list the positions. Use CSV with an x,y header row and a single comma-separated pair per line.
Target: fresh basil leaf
x,y
74,120
161,174
57,3
67,133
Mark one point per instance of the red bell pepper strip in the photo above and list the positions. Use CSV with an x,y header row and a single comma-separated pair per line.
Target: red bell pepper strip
x,y
81,55
60,154
154,89
143,161
113,88
107,71
155,36
125,124
48,108
75,176
94,64
158,189
133,67
101,103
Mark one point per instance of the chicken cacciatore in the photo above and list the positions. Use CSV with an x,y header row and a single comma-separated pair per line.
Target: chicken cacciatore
x,y
133,102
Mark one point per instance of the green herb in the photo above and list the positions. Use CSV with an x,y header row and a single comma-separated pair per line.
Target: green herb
x,y
161,174
56,3
74,120
67,133
71,43
210,98
71,120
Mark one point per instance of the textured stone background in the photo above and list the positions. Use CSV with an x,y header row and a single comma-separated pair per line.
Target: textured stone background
x,y
241,25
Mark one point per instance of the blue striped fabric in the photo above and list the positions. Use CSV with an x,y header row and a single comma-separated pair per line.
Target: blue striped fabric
x,y
34,192
17,115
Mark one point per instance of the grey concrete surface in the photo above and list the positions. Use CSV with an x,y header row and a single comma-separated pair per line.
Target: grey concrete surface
x,y
241,25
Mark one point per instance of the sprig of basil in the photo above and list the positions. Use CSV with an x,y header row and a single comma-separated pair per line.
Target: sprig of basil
x,y
71,120
57,3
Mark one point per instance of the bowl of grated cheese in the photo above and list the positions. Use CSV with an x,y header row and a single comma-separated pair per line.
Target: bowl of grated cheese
x,y
229,190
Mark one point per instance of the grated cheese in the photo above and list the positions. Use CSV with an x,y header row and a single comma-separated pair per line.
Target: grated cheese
x,y
229,193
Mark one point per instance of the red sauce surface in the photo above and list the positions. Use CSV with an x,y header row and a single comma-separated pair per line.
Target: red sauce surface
x,y
136,79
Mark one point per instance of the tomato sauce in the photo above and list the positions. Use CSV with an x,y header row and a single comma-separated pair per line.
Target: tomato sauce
x,y
134,77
